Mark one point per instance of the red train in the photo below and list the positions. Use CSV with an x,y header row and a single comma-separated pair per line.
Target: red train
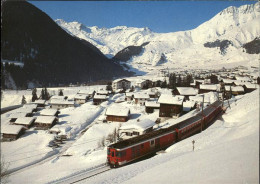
x,y
134,148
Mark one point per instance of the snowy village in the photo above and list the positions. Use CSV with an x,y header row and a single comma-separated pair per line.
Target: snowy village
x,y
160,122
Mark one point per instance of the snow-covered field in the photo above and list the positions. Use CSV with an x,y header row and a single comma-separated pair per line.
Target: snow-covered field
x,y
226,152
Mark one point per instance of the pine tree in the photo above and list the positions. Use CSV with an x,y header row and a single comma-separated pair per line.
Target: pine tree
x,y
60,92
34,95
42,94
23,100
47,95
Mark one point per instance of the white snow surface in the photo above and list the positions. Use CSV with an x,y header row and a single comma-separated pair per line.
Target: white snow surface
x,y
170,99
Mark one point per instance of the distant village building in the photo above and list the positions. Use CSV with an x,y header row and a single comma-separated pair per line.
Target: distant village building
x,y
117,113
28,111
129,130
12,132
49,112
25,121
129,96
186,92
205,88
140,83
234,90
170,106
80,98
141,98
121,84
98,99
102,92
189,106
56,97
90,92
14,116
243,79
61,104
250,87
45,122
150,106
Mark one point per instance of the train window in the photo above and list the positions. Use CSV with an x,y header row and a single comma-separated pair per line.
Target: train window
x,y
152,142
108,151
118,154
142,145
113,154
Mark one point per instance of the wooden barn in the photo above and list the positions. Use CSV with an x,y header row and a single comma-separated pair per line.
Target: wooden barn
x,y
170,106
12,132
81,98
98,99
150,106
45,122
117,113
25,121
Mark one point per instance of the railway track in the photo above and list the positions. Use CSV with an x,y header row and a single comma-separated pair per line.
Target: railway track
x,y
83,175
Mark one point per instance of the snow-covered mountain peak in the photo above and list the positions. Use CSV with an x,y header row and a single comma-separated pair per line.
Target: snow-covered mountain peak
x,y
244,9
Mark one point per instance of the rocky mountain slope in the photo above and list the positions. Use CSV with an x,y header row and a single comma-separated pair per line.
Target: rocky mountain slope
x,y
236,25
51,56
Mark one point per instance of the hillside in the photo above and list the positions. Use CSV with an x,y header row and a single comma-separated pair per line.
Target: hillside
x,y
237,25
50,55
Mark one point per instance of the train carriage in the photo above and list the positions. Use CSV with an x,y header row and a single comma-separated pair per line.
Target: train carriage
x,y
134,148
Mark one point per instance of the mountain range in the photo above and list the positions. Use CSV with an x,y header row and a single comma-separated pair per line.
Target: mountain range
x,y
50,55
221,40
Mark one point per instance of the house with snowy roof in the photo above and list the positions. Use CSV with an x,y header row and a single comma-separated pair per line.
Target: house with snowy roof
x,y
25,121
98,99
12,132
234,90
170,106
141,98
16,115
28,111
40,103
61,104
81,98
186,92
205,88
249,87
45,122
117,113
130,129
49,112
121,84
188,106
243,79
129,96
150,106
56,97
89,92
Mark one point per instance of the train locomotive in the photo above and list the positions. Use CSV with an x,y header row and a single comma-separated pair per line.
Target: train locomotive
x,y
129,150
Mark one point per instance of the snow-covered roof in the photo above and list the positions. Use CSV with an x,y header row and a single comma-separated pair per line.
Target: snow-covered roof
x,y
24,120
142,125
129,94
11,129
243,78
234,88
187,91
188,105
117,80
170,99
30,106
48,112
102,92
152,104
18,115
45,119
141,95
117,110
25,110
62,102
100,97
39,102
87,92
228,81
58,97
252,86
81,96
209,86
